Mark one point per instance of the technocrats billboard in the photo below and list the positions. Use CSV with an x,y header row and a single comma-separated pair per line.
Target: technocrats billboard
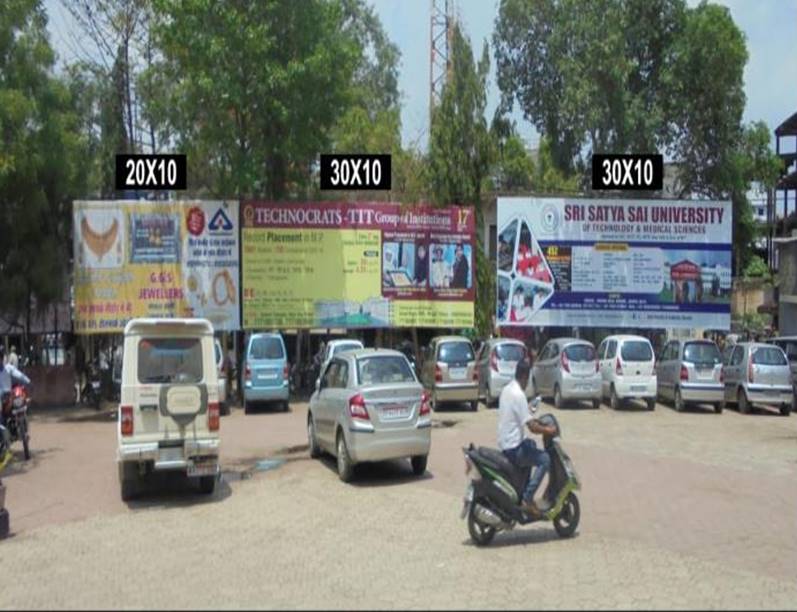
x,y
356,265
154,259
614,263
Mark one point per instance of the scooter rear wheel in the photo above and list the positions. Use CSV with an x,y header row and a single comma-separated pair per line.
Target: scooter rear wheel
x,y
566,522
480,533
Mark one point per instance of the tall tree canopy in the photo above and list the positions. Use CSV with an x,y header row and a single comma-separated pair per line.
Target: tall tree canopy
x,y
41,163
461,150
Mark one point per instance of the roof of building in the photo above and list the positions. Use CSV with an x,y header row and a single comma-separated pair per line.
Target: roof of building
x,y
788,127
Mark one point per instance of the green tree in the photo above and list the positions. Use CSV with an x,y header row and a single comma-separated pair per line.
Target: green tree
x,y
514,168
461,151
42,164
257,88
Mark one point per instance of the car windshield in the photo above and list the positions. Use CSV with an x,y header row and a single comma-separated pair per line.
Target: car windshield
x,y
268,347
169,360
636,350
380,370
510,352
348,346
452,352
581,352
702,352
768,355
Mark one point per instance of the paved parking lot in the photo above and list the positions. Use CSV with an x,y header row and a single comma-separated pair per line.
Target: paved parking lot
x,y
678,510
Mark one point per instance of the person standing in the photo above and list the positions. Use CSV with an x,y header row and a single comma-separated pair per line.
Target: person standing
x,y
421,266
13,358
461,269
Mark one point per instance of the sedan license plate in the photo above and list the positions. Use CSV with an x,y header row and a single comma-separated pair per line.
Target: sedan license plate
x,y
171,454
203,468
458,373
466,502
395,411
638,388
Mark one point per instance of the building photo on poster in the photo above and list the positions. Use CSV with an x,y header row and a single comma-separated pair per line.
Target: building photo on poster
x,y
605,263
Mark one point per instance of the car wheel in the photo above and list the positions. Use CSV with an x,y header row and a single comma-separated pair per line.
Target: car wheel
x,y
474,406
128,481
719,407
419,464
224,409
785,410
557,397
207,484
744,405
345,467
651,402
286,406
678,402
614,401
315,449
247,407
596,404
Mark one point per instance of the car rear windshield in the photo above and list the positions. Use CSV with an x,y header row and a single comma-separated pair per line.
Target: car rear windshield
x,y
349,346
790,348
379,370
768,355
636,350
510,352
702,352
581,352
452,352
169,360
269,347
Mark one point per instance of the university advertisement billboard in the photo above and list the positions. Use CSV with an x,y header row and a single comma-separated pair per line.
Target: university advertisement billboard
x,y
356,265
154,259
614,263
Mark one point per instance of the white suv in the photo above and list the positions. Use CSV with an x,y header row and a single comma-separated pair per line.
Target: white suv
x,y
169,410
627,366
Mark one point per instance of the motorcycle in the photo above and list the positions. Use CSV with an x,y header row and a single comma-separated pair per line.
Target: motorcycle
x,y
91,394
15,416
493,499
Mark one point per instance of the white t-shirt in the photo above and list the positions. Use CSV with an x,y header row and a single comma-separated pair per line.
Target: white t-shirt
x,y
513,415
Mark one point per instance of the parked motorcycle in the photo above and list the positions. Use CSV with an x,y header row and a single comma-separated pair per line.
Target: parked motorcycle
x,y
493,499
91,394
15,416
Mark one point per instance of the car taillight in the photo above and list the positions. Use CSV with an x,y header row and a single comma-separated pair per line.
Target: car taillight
x,y
494,361
213,416
357,408
684,373
126,413
438,374
425,407
248,373
565,363
618,368
750,372
286,371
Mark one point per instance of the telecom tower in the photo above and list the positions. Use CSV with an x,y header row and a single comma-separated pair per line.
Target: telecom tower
x,y
441,30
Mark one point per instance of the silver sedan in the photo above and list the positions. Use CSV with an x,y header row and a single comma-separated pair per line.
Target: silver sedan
x,y
369,406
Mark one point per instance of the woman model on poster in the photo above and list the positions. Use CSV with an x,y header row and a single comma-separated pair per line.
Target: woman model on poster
x,y
441,270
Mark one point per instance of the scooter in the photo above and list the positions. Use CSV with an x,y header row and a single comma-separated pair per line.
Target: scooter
x,y
492,500
91,395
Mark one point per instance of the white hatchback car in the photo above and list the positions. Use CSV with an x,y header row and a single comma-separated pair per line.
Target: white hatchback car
x,y
627,366
169,410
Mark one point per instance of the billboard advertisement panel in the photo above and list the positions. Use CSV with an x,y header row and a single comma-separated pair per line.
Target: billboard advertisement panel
x,y
614,263
154,259
356,265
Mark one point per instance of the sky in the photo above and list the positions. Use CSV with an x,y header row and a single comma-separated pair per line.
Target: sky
x,y
770,28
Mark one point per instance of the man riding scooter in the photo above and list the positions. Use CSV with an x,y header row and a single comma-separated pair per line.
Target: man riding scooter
x,y
8,373
514,417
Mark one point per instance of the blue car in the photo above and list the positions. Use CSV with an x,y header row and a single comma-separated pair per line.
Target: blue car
x,y
266,371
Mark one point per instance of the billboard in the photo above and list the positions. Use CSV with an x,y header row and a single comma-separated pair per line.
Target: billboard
x,y
614,263
356,265
154,259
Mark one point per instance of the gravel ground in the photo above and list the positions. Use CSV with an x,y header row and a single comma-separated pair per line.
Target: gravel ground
x,y
687,510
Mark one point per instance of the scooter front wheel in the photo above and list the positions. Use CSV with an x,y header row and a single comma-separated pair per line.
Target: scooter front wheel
x,y
480,533
566,522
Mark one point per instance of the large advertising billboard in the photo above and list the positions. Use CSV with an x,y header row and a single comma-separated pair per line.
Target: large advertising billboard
x,y
356,265
614,263
154,259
